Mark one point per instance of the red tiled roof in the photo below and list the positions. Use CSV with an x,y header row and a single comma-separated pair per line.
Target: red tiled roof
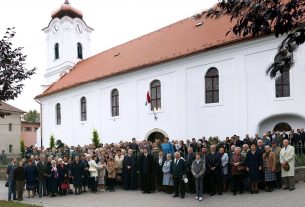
x,y
4,107
180,39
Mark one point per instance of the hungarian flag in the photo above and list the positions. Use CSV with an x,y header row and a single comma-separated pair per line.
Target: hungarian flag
x,y
148,99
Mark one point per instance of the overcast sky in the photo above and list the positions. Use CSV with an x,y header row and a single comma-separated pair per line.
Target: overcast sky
x,y
114,22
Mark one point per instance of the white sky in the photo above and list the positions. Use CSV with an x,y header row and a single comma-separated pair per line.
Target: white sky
x,y
114,22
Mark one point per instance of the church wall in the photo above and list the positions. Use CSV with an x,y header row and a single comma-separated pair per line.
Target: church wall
x,y
247,97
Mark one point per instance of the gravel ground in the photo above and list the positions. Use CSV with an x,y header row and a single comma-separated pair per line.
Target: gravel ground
x,y
122,198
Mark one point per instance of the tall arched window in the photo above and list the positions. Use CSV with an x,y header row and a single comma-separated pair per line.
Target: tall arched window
x,y
115,107
155,91
282,85
212,86
56,51
79,50
58,114
83,109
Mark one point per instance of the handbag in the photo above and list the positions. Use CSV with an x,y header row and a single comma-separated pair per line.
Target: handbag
x,y
6,184
241,168
64,186
286,166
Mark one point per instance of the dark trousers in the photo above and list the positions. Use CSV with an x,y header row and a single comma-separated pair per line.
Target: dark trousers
x,y
62,191
93,184
261,184
111,182
11,190
289,182
42,187
20,188
278,179
179,186
237,183
215,183
206,184
128,180
191,182
199,186
159,178
146,183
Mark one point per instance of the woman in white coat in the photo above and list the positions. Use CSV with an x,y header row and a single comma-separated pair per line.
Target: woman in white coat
x,y
287,159
93,169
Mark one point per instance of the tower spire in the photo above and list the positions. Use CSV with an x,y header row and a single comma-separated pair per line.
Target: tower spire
x,y
67,2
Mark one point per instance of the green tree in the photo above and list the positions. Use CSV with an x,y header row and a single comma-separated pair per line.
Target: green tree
x,y
12,69
22,145
95,138
52,141
265,17
33,116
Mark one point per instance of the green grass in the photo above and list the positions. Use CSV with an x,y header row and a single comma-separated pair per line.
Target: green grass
x,y
14,204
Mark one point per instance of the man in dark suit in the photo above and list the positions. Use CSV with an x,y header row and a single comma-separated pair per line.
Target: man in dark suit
x,y
190,157
42,170
11,180
159,161
213,166
238,142
178,172
146,165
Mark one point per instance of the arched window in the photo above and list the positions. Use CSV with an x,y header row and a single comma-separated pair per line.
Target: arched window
x,y
83,109
155,91
212,86
282,85
115,107
58,114
79,50
56,51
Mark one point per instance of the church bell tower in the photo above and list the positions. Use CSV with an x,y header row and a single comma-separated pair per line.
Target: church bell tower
x,y
68,41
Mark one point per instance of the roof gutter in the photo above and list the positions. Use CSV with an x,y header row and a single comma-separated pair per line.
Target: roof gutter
x,y
41,145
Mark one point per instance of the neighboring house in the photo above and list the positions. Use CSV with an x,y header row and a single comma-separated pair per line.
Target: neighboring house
x,y
10,128
29,133
201,82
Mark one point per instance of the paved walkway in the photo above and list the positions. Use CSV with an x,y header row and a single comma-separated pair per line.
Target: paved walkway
x,y
278,198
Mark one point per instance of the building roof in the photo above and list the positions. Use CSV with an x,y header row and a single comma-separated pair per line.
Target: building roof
x,y
4,107
181,39
67,10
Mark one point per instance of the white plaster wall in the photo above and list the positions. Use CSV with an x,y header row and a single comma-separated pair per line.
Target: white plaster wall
x,y
247,97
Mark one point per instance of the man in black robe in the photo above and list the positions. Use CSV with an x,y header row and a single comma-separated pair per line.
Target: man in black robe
x,y
146,171
129,171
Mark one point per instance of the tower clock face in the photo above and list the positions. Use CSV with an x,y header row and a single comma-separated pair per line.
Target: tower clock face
x,y
55,28
79,29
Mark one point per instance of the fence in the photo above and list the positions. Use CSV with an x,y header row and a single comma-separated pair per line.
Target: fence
x,y
299,154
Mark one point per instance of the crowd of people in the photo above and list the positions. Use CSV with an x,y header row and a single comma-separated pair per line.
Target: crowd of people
x,y
197,166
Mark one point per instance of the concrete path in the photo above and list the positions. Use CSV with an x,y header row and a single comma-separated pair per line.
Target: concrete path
x,y
121,198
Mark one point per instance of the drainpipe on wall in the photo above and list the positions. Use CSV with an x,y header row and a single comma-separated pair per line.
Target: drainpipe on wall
x,y
41,145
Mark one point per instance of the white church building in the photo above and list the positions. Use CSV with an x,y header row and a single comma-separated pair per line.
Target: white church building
x,y
200,83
